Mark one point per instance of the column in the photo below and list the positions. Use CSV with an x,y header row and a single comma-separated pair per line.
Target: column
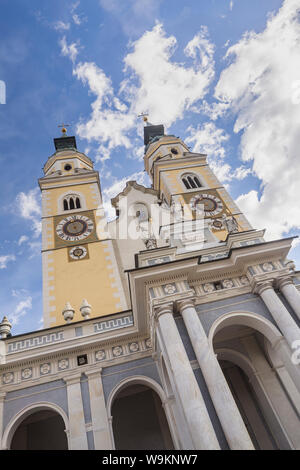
x,y
100,422
291,293
2,397
281,315
232,423
77,430
194,409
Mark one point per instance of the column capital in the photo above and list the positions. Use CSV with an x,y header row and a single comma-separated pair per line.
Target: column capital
x,y
260,286
72,378
93,373
185,303
284,281
162,309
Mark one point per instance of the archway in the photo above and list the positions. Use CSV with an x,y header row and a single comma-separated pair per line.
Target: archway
x,y
138,419
239,341
249,407
37,428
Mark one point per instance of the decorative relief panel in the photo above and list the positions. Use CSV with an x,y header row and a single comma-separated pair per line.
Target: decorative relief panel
x,y
63,364
45,368
100,355
267,267
225,284
8,378
169,288
26,373
117,351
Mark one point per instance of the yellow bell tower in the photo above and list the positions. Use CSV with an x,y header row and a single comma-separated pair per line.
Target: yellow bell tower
x,y
184,179
80,272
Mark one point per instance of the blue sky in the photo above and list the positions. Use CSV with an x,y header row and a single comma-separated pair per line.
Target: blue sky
x,y
224,75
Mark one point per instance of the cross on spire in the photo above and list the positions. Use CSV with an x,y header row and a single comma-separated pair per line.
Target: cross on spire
x,y
64,130
144,116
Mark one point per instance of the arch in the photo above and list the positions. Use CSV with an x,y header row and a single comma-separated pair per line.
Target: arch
x,y
250,319
71,203
150,384
266,406
135,380
25,413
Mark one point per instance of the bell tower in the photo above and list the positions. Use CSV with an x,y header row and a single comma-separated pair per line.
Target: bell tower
x,y
185,180
80,272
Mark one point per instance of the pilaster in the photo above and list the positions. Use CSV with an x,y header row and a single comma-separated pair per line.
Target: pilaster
x,y
101,432
77,430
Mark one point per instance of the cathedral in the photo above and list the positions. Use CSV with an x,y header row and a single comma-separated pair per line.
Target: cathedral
x,y
173,326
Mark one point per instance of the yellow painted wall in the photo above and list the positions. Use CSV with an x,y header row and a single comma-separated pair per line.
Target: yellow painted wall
x,y
85,189
92,279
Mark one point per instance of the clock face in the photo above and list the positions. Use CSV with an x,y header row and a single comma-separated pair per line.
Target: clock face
x,y
207,203
74,228
78,252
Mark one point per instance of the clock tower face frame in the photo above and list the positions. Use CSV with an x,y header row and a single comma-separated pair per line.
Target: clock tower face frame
x,y
74,228
207,202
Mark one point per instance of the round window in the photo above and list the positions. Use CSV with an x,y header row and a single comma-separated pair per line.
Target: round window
x,y
68,167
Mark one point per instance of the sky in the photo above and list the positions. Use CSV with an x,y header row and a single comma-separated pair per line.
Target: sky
x,y
224,75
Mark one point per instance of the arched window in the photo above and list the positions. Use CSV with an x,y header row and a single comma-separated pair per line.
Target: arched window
x,y
191,181
71,202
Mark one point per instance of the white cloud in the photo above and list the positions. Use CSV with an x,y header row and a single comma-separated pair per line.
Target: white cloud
x,y
231,5
211,140
4,259
22,239
164,88
76,19
260,87
109,121
61,26
29,207
21,310
71,50
134,16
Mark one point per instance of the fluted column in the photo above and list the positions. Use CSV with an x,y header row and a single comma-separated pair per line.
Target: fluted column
x,y
291,293
232,423
194,409
281,315
77,429
100,422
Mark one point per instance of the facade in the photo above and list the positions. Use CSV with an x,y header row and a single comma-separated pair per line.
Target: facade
x,y
175,326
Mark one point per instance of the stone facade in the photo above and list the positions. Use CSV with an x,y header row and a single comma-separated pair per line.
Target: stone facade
x,y
212,332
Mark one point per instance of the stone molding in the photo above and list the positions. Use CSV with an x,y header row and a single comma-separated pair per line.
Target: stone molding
x,y
65,362
284,281
260,286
